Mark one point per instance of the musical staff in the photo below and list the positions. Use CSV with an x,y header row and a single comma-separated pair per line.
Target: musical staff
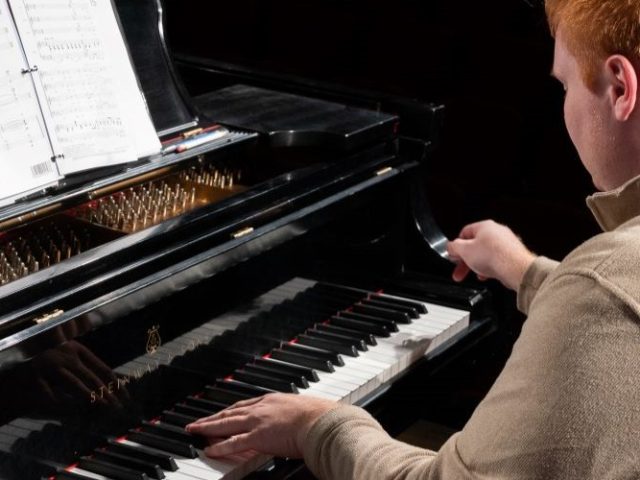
x,y
24,145
91,99
80,90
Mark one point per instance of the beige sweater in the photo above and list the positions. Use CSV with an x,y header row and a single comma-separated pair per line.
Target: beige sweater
x,y
566,405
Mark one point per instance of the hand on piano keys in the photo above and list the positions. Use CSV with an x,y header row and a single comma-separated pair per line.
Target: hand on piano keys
x,y
276,424
325,342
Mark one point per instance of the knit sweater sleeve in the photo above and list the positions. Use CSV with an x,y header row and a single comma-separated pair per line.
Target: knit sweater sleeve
x,y
563,407
533,278
347,443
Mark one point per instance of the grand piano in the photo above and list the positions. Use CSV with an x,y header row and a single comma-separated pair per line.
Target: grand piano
x,y
295,253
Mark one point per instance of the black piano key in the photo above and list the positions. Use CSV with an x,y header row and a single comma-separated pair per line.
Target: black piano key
x,y
318,305
61,450
243,388
367,338
367,327
236,344
320,353
297,313
192,410
216,352
177,419
266,381
173,433
420,307
323,300
389,324
166,462
380,312
65,475
331,288
327,344
303,360
202,366
167,445
297,379
75,435
110,470
227,396
27,465
208,405
343,339
152,470
299,309
308,373
378,302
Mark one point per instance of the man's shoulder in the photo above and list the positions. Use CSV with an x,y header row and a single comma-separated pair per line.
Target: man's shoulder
x,y
613,257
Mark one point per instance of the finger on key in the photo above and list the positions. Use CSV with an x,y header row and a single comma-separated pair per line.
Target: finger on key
x,y
226,411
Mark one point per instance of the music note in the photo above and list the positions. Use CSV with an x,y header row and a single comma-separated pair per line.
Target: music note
x,y
23,139
90,98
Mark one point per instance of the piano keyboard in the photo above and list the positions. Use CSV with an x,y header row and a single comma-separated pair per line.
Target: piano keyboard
x,y
303,337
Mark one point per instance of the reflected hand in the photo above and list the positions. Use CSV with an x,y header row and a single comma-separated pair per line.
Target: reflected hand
x,y
276,424
70,372
490,250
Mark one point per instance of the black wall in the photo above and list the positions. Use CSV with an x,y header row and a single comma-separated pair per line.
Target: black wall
x,y
504,151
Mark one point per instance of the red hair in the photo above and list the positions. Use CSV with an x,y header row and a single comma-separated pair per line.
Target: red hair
x,y
596,29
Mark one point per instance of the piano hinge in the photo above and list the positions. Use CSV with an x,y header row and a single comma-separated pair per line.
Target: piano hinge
x,y
242,233
383,171
48,316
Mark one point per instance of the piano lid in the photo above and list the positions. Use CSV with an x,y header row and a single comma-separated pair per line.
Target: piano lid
x,y
289,120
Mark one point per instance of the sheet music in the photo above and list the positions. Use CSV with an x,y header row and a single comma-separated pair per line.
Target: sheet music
x,y
25,152
92,98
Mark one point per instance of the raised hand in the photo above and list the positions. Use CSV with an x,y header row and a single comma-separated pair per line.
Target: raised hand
x,y
490,250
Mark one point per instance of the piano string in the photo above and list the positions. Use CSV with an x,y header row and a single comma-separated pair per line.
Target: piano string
x,y
30,249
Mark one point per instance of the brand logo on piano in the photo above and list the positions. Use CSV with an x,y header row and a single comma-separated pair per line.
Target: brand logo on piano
x,y
122,380
153,339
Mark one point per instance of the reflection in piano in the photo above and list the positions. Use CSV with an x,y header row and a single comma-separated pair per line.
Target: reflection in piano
x,y
273,259
305,337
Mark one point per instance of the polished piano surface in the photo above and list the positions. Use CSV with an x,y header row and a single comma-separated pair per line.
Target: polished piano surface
x,y
287,255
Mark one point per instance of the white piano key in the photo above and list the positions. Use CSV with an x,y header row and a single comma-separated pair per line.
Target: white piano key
x,y
357,378
191,468
314,392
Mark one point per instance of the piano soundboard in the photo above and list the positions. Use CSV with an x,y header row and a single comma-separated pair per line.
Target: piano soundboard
x,y
303,337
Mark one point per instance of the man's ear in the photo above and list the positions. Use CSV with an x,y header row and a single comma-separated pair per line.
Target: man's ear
x,y
622,87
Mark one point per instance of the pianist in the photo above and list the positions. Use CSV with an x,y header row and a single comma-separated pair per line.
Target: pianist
x,y
567,404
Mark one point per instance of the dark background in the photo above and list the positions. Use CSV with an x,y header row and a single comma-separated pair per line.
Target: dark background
x,y
504,152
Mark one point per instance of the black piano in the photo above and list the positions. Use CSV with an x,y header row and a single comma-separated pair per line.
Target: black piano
x,y
295,253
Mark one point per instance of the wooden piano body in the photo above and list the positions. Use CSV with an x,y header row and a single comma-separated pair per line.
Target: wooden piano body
x,y
106,338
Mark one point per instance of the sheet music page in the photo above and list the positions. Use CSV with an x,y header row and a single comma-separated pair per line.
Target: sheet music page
x,y
25,152
92,99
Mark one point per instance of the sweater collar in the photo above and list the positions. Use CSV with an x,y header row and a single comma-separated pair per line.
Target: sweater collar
x,y
615,207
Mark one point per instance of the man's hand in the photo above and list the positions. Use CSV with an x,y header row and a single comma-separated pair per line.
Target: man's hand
x,y
69,373
276,424
491,250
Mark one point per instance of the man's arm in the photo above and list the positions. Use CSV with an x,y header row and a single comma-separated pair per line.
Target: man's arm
x,y
554,412
532,280
348,443
490,250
